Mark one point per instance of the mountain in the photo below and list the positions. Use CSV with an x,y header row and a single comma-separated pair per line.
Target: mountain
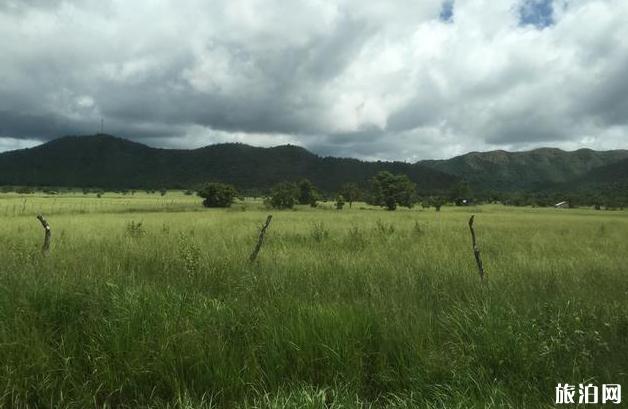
x,y
603,179
531,170
109,162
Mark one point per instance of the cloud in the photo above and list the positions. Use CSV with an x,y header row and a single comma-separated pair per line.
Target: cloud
x,y
379,80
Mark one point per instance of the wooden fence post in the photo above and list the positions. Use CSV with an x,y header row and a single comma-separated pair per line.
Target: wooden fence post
x,y
260,240
47,234
476,250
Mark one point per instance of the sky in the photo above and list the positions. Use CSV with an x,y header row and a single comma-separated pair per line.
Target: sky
x,y
390,80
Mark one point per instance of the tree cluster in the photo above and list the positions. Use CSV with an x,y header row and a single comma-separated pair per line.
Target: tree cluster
x,y
390,191
217,194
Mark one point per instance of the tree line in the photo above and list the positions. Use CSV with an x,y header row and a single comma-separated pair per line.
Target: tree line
x,y
385,189
390,191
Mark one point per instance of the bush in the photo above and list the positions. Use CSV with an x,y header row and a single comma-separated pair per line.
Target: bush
x,y
437,202
308,194
340,202
217,195
319,233
24,190
135,229
351,193
284,195
390,190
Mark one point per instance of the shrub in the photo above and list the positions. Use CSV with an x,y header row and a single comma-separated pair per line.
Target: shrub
x,y
351,193
340,202
284,195
308,194
189,254
384,228
135,229
388,190
25,190
437,202
217,195
319,233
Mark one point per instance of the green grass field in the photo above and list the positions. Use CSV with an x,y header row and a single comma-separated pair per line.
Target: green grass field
x,y
353,308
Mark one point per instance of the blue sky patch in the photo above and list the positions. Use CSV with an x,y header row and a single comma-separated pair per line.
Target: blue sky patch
x,y
538,13
447,11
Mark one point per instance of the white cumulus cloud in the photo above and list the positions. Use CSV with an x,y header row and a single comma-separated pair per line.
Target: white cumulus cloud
x,y
377,80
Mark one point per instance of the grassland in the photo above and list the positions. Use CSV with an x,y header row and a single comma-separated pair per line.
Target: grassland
x,y
353,308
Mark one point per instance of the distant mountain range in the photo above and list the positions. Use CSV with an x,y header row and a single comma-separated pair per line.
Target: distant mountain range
x,y
109,162
607,179
536,170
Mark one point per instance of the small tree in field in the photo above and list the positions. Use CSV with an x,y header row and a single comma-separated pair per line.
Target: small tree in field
x,y
308,194
340,202
459,192
390,190
163,191
217,195
284,195
437,202
351,192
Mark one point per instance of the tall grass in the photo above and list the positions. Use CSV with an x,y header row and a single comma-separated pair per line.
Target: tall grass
x,y
350,308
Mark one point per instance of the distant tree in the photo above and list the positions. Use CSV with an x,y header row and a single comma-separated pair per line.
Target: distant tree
x,y
163,191
308,194
24,190
459,193
217,195
597,201
437,202
284,195
351,192
340,202
388,190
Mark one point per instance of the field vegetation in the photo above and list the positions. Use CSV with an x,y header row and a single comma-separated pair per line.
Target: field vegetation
x,y
147,300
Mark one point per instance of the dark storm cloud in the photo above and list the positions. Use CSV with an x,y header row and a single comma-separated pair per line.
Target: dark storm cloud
x,y
607,100
21,6
401,79
45,126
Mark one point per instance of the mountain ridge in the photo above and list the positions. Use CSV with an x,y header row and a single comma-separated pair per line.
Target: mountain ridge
x,y
525,170
109,161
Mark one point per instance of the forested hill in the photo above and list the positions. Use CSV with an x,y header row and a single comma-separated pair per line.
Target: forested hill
x,y
109,162
534,170
606,179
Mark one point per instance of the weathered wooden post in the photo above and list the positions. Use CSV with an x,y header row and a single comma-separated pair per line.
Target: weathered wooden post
x,y
260,240
47,234
476,250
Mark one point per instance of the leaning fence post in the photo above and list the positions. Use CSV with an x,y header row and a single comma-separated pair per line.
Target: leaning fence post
x,y
47,234
260,240
476,250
